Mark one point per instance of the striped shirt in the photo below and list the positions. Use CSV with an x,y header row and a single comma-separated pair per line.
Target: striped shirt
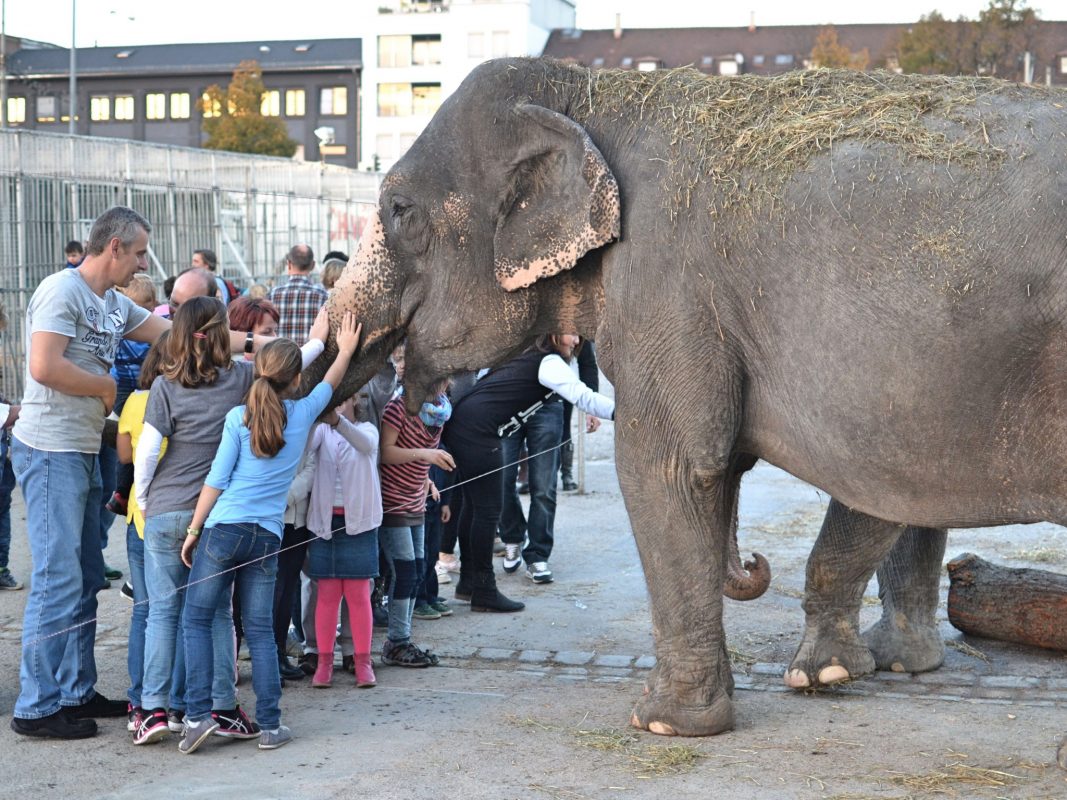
x,y
298,302
404,485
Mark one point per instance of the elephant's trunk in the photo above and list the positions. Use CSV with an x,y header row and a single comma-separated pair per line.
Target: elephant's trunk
x,y
745,581
369,288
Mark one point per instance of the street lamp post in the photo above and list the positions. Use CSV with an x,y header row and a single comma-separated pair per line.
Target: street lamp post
x,y
3,64
73,66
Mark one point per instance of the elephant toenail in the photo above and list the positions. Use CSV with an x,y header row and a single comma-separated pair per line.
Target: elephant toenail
x,y
662,728
797,679
635,722
833,674
897,667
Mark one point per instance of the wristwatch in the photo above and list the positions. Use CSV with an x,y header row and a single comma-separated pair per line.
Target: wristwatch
x,y
191,531
248,342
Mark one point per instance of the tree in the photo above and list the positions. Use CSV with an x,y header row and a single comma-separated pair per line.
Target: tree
x,y
233,119
991,45
829,52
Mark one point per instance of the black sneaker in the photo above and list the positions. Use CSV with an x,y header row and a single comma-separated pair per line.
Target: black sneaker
x,y
117,505
235,724
60,725
112,574
404,654
153,727
98,707
308,663
127,590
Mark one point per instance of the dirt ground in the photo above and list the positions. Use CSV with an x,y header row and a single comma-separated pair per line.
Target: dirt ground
x,y
536,704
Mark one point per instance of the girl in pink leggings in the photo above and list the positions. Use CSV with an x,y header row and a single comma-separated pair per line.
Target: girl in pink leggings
x,y
344,515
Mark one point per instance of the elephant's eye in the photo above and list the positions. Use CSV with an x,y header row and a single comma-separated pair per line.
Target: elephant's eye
x,y
399,206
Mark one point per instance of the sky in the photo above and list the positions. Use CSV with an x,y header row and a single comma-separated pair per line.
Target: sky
x,y
119,22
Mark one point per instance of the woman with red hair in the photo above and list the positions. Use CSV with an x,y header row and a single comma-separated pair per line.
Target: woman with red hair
x,y
258,315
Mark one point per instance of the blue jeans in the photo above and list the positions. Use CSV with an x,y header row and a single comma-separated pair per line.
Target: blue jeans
x,y
165,656
543,431
139,615
62,493
253,550
7,486
109,464
404,552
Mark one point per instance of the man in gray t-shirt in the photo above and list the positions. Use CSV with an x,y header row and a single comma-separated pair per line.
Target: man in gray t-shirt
x,y
74,323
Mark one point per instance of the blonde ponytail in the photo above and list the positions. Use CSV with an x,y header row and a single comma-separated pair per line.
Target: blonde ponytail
x,y
277,365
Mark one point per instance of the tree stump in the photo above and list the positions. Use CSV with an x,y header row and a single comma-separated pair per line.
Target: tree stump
x,y
1027,606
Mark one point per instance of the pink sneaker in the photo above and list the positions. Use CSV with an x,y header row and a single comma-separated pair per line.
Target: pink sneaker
x,y
365,678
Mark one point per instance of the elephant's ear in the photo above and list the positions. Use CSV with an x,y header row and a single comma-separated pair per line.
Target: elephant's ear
x,y
562,201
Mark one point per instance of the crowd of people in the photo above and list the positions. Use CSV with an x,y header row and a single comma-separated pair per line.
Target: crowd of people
x,y
251,512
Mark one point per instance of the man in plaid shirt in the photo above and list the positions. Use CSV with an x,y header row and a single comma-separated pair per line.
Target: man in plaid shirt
x,y
298,301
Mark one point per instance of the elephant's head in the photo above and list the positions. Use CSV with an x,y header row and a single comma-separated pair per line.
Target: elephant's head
x,y
479,239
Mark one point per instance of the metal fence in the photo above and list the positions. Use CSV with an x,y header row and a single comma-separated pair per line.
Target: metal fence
x,y
249,209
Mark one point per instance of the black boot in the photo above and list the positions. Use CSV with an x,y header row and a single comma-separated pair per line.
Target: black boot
x,y
463,585
566,467
486,597
288,670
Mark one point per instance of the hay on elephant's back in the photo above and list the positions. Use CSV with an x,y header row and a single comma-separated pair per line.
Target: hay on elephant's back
x,y
748,135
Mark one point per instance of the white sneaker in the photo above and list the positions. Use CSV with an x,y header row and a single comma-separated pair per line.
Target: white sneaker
x,y
442,573
539,572
512,557
450,562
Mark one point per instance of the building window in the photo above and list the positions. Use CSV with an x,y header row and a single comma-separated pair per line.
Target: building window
x,y
270,105
475,45
155,105
46,109
385,144
16,110
394,51
425,98
294,102
210,107
500,44
783,59
728,66
1063,65
426,50
647,66
333,100
179,105
394,100
757,60
124,107
100,108
406,140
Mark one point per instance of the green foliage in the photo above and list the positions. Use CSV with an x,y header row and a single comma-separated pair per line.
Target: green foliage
x,y
991,45
830,53
233,120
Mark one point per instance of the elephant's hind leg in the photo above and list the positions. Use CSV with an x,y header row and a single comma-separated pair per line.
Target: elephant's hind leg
x,y
850,547
906,638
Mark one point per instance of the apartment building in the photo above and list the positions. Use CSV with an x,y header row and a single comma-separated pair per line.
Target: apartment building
x,y
417,52
153,93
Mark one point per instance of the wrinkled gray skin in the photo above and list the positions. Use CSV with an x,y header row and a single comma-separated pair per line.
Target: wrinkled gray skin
x,y
922,392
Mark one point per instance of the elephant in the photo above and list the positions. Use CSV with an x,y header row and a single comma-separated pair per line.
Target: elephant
x,y
855,277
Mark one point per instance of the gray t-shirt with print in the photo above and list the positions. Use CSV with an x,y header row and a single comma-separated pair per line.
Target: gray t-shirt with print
x,y
192,421
64,304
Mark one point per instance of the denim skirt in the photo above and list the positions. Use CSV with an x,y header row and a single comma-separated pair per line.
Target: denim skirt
x,y
344,556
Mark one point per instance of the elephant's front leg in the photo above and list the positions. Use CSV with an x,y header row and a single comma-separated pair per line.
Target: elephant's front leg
x,y
680,519
906,638
849,549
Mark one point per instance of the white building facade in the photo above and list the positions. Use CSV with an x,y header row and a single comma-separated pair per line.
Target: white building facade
x,y
417,52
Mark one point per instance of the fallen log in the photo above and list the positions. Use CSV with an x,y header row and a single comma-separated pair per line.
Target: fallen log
x,y
1027,606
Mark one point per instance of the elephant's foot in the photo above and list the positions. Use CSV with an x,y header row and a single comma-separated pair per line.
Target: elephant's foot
x,y
829,654
667,715
900,645
687,696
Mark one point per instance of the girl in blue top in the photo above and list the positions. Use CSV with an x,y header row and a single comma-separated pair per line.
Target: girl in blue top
x,y
243,503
